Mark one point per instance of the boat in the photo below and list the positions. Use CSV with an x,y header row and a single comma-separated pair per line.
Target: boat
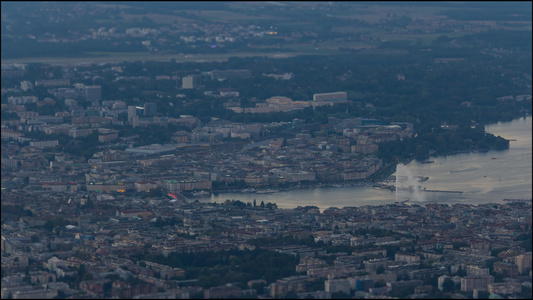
x,y
493,158
249,190
201,193
267,191
428,162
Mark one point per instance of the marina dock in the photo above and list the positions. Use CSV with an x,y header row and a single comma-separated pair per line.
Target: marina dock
x,y
402,188
440,191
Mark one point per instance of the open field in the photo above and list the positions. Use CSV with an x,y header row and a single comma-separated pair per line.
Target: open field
x,y
227,16
158,18
112,57
425,39
375,13
253,11
303,28
357,30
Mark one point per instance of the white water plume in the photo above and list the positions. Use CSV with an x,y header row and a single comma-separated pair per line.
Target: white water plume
x,y
406,183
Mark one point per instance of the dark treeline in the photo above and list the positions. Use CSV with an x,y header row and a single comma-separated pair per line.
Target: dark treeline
x,y
233,266
431,92
462,92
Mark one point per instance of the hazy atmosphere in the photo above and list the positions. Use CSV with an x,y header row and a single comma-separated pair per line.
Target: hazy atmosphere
x,y
266,150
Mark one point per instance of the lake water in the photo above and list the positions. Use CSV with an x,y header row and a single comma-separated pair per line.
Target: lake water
x,y
482,177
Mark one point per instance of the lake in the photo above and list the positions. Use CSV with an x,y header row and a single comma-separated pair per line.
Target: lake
x,y
483,177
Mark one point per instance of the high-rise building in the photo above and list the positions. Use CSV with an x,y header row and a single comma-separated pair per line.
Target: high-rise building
x,y
93,93
133,119
506,269
52,82
150,109
523,261
469,283
476,271
505,288
191,81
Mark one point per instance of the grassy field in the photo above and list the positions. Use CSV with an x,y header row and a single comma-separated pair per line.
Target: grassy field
x,y
425,39
111,57
248,12
158,18
219,15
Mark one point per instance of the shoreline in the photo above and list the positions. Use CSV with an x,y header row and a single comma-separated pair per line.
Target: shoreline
x,y
382,175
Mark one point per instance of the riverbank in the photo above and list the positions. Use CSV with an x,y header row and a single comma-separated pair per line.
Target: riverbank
x,y
484,180
297,186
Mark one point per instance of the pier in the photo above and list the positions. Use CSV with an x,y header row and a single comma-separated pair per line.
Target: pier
x,y
402,188
517,200
440,191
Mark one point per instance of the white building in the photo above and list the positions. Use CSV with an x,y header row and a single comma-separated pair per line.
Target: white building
x,y
476,271
523,261
93,93
331,97
133,118
26,85
44,144
481,283
22,99
407,258
339,285
190,82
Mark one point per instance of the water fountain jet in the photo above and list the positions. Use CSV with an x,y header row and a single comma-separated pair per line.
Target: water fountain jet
x,y
406,181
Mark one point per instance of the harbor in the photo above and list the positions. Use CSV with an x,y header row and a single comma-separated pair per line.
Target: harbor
x,y
411,189
439,191
481,179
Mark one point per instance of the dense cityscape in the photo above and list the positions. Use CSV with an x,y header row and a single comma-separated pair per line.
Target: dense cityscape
x,y
107,165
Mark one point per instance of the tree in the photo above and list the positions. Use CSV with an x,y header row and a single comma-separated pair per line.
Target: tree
x,y
259,287
108,286
89,204
380,270
61,295
461,273
81,270
159,222
271,205
210,281
291,295
421,151
340,295
155,193
380,283
198,295
448,285
84,255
